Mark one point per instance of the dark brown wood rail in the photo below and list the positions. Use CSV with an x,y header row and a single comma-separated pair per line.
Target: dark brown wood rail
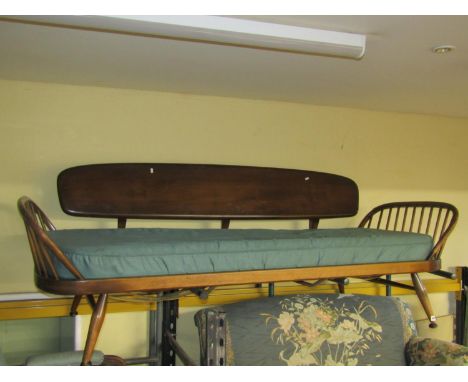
x,y
197,191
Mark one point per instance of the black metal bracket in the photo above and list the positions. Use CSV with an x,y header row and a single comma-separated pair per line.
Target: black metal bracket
x,y
390,283
170,313
447,275
461,330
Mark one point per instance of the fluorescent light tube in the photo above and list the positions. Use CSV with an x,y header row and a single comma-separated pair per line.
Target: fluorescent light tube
x,y
220,30
228,30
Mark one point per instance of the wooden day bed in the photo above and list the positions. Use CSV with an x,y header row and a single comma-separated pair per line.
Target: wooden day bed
x,y
102,262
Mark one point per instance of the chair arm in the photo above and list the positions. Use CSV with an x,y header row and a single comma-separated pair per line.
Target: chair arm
x,y
430,352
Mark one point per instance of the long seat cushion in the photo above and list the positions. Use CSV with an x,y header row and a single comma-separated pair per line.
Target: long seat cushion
x,y
132,252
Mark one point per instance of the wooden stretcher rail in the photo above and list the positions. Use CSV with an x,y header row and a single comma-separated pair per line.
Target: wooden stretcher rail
x,y
163,283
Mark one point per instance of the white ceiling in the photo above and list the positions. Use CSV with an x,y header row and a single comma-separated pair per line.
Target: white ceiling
x,y
398,73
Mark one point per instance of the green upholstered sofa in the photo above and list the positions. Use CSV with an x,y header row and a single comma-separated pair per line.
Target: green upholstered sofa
x,y
319,329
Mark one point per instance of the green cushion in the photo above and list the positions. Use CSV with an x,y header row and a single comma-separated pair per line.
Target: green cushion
x,y
69,358
313,329
104,253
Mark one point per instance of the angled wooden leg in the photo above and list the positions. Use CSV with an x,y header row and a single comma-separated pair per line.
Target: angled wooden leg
x,y
95,325
74,306
76,303
91,301
388,288
341,285
424,299
271,289
341,282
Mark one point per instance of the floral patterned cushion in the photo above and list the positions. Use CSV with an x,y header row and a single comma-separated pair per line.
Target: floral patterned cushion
x,y
317,330
431,352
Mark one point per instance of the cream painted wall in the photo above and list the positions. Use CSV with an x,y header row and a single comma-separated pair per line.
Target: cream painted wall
x,y
48,127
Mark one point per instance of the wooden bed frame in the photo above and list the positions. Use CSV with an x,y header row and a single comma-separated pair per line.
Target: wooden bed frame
x,y
214,192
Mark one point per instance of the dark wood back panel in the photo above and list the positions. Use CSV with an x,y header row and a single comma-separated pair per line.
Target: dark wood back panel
x,y
197,191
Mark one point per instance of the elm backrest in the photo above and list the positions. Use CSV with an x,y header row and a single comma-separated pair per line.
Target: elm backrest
x,y
198,191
